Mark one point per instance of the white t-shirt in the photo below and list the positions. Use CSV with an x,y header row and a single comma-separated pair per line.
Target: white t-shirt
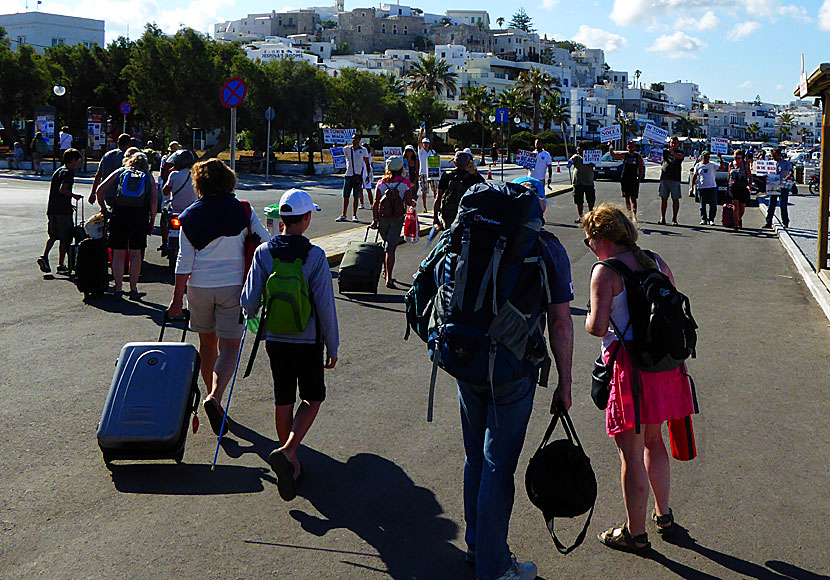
x,y
65,141
181,186
704,175
422,160
543,161
354,160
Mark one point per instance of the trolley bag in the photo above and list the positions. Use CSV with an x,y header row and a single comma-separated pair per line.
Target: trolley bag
x,y
361,266
727,215
91,267
153,392
78,235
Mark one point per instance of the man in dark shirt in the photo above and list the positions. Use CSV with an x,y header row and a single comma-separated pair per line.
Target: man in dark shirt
x,y
59,211
111,161
670,180
452,185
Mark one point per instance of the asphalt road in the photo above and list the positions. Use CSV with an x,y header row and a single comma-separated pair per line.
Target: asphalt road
x,y
382,494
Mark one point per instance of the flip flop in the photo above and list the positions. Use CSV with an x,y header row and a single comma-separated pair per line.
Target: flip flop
x,y
214,413
286,485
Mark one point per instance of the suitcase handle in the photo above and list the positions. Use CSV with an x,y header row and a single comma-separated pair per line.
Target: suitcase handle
x,y
366,235
170,319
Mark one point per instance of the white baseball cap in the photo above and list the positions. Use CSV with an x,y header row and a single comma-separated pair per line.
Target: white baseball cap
x,y
425,140
297,202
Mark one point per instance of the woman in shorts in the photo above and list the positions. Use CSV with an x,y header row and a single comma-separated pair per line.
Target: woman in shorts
x,y
663,395
633,172
211,268
740,176
389,216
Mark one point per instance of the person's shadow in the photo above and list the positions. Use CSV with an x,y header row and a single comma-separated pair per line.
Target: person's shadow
x,y
375,499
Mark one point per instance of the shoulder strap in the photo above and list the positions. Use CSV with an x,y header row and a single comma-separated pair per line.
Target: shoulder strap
x,y
248,211
181,187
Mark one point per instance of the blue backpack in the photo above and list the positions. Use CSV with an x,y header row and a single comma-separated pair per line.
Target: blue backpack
x,y
133,187
489,284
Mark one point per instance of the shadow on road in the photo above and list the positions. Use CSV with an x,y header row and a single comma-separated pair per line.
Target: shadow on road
x,y
373,301
188,479
774,570
375,499
259,444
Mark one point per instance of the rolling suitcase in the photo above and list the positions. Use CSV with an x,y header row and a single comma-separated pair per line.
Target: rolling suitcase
x,y
361,266
153,392
91,267
78,235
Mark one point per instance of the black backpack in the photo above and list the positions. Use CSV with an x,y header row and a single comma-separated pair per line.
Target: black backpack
x,y
664,331
457,186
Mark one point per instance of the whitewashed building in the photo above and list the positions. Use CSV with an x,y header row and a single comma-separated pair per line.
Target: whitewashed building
x,y
41,30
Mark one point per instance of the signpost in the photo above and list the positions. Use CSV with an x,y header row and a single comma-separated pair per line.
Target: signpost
x,y
502,116
655,134
611,133
231,96
719,145
269,116
126,108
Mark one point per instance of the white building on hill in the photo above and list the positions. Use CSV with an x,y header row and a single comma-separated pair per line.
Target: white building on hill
x,y
41,30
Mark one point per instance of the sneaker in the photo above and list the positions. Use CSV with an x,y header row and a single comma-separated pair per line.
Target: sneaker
x,y
662,222
43,262
519,570
62,270
361,206
674,222
354,219
703,222
342,218
767,226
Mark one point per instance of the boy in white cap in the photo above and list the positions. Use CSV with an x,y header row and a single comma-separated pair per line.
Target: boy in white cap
x,y
424,151
297,328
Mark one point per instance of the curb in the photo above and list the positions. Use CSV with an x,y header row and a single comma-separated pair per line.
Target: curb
x,y
335,258
820,292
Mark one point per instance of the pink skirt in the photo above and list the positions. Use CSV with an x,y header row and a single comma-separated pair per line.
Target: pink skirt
x,y
663,396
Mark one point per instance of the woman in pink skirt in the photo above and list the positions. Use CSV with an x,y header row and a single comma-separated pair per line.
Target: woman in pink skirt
x,y
663,396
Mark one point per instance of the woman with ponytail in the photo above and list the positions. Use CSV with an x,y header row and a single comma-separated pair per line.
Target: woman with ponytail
x,y
663,396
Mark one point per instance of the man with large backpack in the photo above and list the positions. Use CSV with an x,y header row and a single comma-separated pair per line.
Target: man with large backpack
x,y
452,186
481,301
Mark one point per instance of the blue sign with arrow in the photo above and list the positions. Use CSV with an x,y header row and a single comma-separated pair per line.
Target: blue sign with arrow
x,y
502,115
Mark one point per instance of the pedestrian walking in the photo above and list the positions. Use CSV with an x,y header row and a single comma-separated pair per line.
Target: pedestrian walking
x,y
368,180
357,165
544,164
64,140
296,332
705,187
410,157
633,173
670,180
110,162
59,211
740,177
394,195
494,153
779,186
132,198
661,395
211,269
424,153
583,183
39,148
451,187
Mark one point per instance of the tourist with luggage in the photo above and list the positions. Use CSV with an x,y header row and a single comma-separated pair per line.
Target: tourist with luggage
x,y
130,196
211,269
357,165
451,187
59,211
110,162
670,180
633,173
740,178
705,187
584,189
779,187
296,331
636,399
393,196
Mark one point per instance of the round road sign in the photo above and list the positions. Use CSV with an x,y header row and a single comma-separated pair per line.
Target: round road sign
x,y
233,92
126,108
270,114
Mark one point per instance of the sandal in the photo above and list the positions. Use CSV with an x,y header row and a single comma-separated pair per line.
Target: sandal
x,y
286,484
665,523
621,539
215,414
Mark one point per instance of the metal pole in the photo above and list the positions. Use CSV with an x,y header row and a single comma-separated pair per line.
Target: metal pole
x,y
124,125
268,153
233,138
501,130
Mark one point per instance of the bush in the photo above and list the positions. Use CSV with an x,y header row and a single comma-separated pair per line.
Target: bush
x,y
466,133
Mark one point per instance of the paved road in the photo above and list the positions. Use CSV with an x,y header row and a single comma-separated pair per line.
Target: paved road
x,y
382,495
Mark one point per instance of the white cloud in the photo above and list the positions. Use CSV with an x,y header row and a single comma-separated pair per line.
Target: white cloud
x,y
742,30
550,4
745,85
678,45
646,12
706,22
824,16
598,38
779,87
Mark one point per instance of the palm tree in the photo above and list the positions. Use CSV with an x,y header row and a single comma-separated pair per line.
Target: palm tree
x,y
753,130
554,112
536,84
804,131
433,75
516,101
637,74
785,124
395,84
500,21
688,126
477,100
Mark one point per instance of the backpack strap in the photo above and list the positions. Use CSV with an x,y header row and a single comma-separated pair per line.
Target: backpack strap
x,y
181,187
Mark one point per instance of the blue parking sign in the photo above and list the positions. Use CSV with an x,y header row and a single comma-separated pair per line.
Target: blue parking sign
x,y
502,115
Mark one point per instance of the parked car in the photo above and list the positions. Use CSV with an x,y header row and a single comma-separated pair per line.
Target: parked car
x,y
721,178
608,168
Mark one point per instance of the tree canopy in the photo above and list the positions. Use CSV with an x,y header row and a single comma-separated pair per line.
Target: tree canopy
x,y
521,20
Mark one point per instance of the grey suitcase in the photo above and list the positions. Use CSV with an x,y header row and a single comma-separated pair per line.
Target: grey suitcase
x,y
153,392
361,266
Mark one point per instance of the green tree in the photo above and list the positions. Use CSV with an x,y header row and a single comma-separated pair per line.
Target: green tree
x,y
753,130
637,74
25,82
466,133
356,99
423,106
657,87
785,124
477,100
517,103
537,84
522,21
687,126
555,112
500,21
570,45
433,75
445,21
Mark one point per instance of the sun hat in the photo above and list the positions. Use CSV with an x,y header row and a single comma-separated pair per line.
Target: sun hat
x,y
297,202
394,163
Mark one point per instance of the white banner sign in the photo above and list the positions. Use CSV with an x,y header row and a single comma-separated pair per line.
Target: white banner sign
x,y
766,166
719,145
655,134
390,151
338,158
526,159
611,133
338,136
592,156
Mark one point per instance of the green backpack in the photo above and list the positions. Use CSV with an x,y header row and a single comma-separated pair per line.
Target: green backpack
x,y
287,298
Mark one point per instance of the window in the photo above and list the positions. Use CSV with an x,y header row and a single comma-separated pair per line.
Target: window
x,y
359,28
58,41
21,40
443,55
89,45
383,28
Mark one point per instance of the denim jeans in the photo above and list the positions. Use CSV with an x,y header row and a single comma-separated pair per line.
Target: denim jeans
x,y
492,454
708,196
783,195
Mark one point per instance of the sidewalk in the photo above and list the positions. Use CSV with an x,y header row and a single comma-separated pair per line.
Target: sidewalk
x,y
800,240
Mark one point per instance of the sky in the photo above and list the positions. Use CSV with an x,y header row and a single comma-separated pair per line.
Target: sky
x,y
733,50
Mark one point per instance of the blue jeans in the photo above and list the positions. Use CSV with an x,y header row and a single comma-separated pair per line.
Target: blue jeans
x,y
783,195
492,454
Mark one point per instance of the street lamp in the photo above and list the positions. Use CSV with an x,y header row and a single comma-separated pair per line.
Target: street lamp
x,y
60,90
577,127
